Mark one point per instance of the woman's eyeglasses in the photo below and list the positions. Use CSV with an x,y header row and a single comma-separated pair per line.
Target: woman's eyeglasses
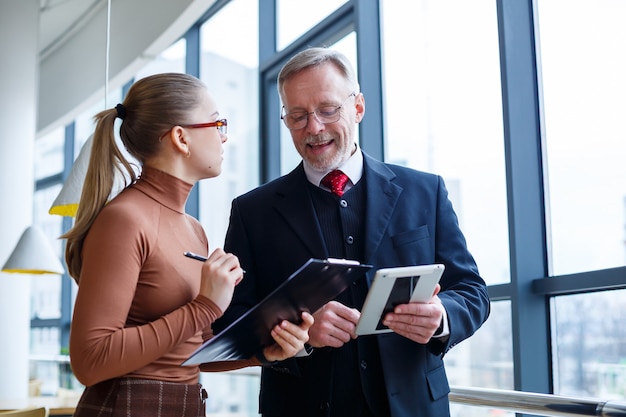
x,y
220,124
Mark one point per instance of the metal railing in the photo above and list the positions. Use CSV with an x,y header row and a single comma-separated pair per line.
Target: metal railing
x,y
547,405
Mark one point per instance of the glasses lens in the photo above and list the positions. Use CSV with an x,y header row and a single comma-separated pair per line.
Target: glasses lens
x,y
296,120
222,126
329,114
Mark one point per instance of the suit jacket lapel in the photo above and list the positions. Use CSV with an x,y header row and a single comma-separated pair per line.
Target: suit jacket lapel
x,y
294,204
382,197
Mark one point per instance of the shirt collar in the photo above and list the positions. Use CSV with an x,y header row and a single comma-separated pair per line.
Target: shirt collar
x,y
352,167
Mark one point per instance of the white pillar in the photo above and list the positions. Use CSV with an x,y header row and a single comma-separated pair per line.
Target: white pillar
x,y
19,32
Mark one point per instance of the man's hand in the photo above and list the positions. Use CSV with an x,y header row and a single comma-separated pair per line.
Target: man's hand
x,y
335,325
416,321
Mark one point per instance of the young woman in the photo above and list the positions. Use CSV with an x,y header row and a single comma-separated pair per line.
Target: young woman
x,y
142,307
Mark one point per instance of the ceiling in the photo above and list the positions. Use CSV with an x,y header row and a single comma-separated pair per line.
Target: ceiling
x,y
74,31
58,19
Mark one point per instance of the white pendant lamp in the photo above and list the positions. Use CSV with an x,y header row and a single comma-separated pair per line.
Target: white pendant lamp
x,y
33,254
66,203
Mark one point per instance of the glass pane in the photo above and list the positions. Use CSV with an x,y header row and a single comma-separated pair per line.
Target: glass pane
x,y
238,16
46,289
234,393
49,154
444,115
583,90
289,157
229,67
485,360
589,345
84,126
44,353
50,225
294,18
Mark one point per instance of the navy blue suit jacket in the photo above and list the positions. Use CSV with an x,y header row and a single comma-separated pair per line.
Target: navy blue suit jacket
x,y
409,221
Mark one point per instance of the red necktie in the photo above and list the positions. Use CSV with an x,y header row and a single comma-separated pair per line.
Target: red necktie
x,y
336,181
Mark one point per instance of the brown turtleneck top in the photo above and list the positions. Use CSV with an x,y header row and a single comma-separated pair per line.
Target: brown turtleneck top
x,y
138,311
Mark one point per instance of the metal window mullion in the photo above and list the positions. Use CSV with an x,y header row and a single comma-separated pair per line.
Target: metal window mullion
x,y
525,187
192,66
369,57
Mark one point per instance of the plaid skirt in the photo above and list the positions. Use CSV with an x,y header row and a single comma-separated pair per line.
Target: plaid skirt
x,y
132,397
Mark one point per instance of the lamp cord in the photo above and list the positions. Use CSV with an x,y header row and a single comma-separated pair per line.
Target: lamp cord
x,y
106,58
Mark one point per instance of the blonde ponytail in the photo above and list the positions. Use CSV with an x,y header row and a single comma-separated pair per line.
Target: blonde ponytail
x,y
104,160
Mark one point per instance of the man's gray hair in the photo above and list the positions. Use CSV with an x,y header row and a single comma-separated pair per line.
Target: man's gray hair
x,y
317,56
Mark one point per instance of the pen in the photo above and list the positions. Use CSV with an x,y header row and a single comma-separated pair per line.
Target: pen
x,y
195,256
200,258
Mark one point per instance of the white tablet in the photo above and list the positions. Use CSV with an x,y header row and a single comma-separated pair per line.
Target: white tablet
x,y
393,286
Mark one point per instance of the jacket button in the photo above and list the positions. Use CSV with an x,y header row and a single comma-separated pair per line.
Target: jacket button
x,y
343,203
324,407
363,364
349,240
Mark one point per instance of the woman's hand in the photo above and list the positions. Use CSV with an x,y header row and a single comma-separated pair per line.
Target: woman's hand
x,y
220,273
290,338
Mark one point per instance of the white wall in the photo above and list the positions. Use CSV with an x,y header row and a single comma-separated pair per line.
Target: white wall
x,y
19,23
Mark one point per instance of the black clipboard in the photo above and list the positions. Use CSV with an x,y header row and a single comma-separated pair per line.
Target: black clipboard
x,y
314,284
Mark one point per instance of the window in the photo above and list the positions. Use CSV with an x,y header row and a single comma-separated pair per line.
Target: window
x,y
49,154
295,18
484,360
589,345
45,290
443,113
229,66
584,89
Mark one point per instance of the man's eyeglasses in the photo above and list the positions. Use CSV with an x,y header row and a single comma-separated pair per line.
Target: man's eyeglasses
x,y
299,119
220,124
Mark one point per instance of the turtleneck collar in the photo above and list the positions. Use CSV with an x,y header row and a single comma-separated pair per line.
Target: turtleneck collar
x,y
170,191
